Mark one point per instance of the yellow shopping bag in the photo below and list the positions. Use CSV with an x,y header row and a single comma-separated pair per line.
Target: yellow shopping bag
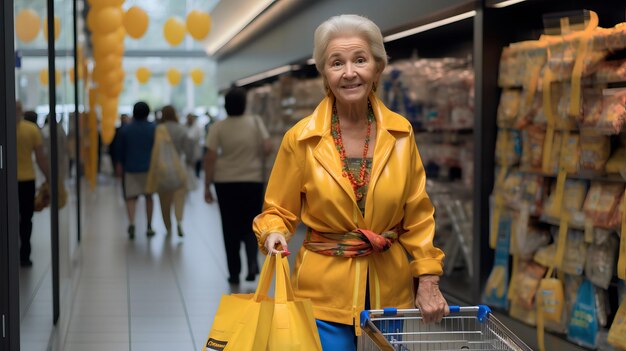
x,y
293,325
256,322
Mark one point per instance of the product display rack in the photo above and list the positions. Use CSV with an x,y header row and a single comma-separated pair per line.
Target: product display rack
x,y
524,22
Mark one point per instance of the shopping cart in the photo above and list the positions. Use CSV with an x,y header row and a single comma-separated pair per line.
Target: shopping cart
x,y
466,328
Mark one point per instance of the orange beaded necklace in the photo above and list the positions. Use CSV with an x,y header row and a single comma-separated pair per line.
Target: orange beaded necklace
x,y
335,131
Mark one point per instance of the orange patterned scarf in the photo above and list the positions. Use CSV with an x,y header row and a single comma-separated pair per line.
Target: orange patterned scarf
x,y
357,243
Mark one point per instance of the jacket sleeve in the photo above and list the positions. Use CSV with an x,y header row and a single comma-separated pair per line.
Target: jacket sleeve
x,y
419,222
281,209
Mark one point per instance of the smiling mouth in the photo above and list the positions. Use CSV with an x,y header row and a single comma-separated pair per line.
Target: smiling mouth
x,y
351,86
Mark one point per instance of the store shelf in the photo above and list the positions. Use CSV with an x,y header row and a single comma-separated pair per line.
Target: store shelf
x,y
614,178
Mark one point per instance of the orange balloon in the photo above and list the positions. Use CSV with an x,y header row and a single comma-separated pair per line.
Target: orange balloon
x,y
108,44
198,24
196,76
91,20
174,31
107,19
136,22
104,3
57,27
109,62
112,78
143,75
113,91
27,25
173,76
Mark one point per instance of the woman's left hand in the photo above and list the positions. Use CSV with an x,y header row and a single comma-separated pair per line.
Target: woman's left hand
x,y
429,299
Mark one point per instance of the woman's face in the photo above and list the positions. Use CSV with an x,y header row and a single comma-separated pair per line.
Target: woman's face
x,y
350,69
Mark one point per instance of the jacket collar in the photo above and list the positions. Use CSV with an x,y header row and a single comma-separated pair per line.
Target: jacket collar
x,y
319,124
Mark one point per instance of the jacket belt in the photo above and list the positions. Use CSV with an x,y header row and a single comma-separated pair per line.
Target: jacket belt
x,y
357,243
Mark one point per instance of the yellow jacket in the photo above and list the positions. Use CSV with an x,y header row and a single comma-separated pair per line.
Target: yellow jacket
x,y
306,184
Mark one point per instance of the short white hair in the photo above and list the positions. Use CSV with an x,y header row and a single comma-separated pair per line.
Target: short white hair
x,y
348,24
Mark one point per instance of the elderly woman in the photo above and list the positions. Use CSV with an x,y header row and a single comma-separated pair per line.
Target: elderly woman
x,y
351,172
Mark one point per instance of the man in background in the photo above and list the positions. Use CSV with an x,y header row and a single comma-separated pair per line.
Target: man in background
x,y
29,141
136,141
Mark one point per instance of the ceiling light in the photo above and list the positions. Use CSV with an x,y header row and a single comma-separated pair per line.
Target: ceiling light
x,y
506,3
266,74
236,27
429,26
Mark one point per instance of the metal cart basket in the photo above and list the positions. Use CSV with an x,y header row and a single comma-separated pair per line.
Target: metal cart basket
x,y
466,328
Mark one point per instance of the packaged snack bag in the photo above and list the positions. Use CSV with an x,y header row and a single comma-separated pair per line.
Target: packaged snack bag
x,y
583,324
613,116
508,147
602,200
532,147
595,150
509,107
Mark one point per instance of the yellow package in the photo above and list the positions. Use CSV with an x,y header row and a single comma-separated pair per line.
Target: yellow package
x,y
573,198
508,108
570,158
617,162
550,296
617,332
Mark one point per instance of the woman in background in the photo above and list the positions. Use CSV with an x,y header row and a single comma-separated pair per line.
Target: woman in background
x,y
178,134
233,162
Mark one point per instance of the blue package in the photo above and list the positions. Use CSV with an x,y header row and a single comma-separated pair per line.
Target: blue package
x,y
583,323
495,295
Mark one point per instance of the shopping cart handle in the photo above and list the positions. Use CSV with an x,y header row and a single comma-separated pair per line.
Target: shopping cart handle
x,y
454,309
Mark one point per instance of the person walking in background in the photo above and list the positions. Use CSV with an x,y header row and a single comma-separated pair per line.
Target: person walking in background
x,y
183,145
195,133
233,162
136,149
29,141
115,145
351,172
63,156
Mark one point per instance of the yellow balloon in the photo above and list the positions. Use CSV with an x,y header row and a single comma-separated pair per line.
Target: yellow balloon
x,y
198,24
27,25
173,76
174,31
136,22
107,19
197,76
143,75
57,27
43,77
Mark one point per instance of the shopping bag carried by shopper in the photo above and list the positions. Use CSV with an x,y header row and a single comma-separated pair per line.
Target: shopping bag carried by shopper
x,y
257,322
166,172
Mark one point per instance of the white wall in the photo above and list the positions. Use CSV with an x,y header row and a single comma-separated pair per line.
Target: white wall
x,y
292,40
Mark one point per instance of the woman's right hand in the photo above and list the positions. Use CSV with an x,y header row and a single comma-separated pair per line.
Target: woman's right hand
x,y
271,241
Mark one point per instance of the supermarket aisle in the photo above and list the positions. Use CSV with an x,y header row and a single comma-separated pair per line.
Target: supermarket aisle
x,y
147,294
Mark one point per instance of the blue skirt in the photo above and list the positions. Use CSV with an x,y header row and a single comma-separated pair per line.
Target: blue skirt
x,y
336,336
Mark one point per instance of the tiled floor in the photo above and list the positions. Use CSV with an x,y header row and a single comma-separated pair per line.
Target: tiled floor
x,y
152,294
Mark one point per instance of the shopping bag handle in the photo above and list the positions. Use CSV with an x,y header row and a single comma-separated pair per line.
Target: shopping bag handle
x,y
265,278
283,291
